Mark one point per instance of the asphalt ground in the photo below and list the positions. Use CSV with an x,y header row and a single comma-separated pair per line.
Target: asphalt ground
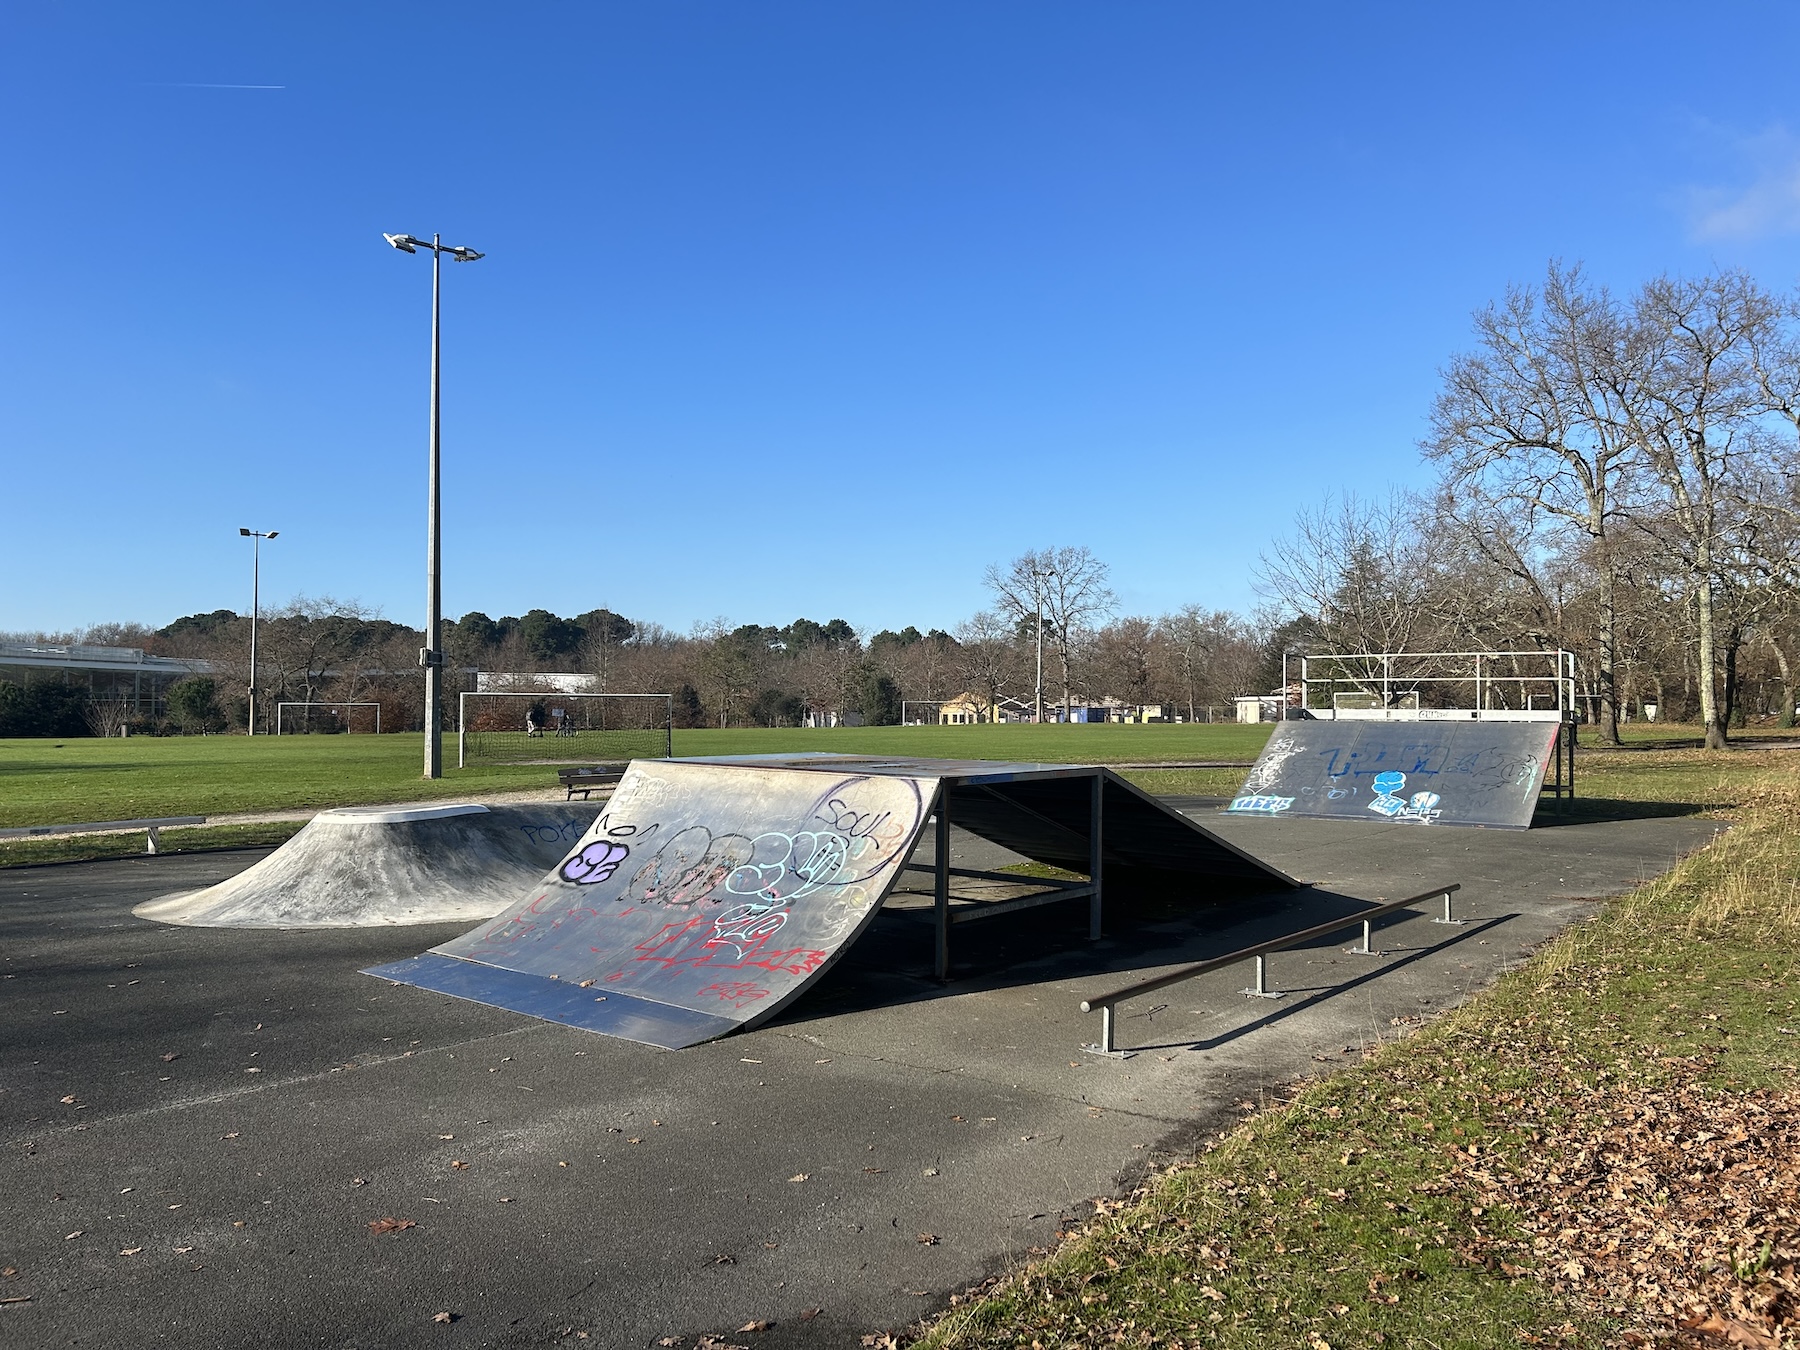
x,y
201,1125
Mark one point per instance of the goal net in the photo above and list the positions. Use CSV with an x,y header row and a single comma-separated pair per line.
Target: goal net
x,y
326,719
547,727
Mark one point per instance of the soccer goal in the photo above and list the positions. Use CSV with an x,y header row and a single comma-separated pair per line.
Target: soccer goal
x,y
326,719
546,727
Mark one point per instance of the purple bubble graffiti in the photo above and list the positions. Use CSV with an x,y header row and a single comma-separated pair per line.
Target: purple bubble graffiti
x,y
598,861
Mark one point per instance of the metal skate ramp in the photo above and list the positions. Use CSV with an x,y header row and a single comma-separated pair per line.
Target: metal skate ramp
x,y
1481,770
712,892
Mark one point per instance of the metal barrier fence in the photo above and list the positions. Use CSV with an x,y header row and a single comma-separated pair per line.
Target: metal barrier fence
x,y
1259,953
107,827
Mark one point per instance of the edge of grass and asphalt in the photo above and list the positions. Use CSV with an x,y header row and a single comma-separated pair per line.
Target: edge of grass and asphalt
x,y
1602,1149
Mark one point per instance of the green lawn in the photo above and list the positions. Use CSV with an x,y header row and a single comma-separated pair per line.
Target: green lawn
x,y
45,782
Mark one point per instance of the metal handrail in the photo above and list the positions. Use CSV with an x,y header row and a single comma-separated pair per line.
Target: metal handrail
x,y
1258,953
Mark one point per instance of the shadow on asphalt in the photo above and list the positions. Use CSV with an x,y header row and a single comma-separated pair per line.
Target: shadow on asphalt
x,y
892,962
1596,810
1318,993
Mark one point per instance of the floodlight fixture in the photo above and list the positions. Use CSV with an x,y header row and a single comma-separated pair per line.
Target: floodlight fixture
x,y
404,242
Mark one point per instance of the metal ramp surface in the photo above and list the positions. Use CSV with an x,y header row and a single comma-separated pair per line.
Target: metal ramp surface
x,y
1479,771
711,893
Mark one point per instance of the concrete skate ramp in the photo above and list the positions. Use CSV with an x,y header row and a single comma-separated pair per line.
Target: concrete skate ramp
x,y
712,893
1475,772
366,866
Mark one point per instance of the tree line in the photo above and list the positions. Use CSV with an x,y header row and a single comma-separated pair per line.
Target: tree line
x,y
1618,476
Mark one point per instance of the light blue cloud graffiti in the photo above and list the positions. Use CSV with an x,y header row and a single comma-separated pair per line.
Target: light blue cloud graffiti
x,y
1388,801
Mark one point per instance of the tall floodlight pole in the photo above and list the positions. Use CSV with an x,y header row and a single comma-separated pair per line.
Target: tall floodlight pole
x,y
256,537
431,655
1038,591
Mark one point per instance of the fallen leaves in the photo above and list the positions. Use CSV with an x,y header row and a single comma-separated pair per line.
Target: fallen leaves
x,y
1681,1198
1731,1330
390,1225
445,1317
801,1176
754,1326
928,1239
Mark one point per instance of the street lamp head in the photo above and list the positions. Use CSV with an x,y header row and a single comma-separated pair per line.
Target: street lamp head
x,y
404,242
271,534
243,531
464,254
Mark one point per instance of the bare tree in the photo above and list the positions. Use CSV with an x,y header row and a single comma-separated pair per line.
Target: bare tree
x,y
1359,569
106,715
986,657
1695,425
1068,586
1537,414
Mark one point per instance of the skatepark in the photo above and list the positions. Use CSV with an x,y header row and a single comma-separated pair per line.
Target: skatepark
x,y
207,1114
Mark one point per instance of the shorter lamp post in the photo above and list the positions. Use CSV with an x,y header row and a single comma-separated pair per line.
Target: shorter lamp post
x,y
256,536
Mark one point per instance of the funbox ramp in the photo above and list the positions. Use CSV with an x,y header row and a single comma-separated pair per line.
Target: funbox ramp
x,y
1477,772
711,893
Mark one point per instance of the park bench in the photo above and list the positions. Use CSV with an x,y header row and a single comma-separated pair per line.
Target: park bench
x,y
152,827
590,779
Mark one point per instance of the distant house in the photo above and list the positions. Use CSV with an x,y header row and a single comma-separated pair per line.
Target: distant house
x,y
1107,709
966,709
521,682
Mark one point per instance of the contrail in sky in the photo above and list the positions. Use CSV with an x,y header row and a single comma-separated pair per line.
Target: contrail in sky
x,y
186,84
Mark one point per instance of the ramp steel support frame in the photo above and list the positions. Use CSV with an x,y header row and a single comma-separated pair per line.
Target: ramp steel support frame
x,y
1054,892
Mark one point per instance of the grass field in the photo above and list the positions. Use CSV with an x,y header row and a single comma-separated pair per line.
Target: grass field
x,y
53,782
1602,1148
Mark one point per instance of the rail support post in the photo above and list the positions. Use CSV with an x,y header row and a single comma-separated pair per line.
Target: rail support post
x,y
1261,988
1449,917
1368,945
153,842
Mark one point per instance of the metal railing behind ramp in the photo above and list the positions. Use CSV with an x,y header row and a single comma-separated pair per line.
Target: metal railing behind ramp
x,y
1259,953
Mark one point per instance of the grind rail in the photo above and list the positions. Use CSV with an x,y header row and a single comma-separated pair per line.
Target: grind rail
x,y
1259,953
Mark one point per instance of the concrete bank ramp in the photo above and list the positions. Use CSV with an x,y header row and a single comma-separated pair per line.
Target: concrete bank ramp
x,y
712,893
366,866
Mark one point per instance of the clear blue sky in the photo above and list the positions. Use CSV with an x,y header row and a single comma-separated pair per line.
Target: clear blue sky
x,y
800,308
